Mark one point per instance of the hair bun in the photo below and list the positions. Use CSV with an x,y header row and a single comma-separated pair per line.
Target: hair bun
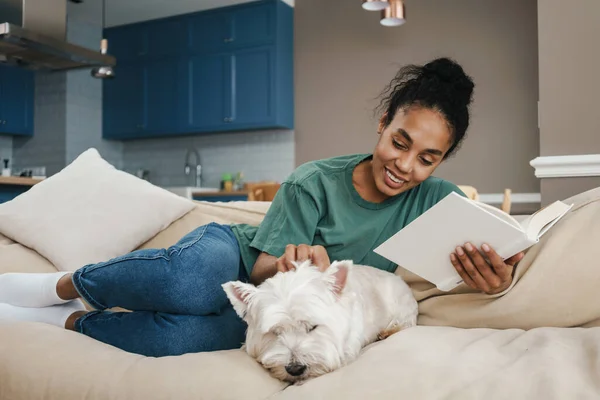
x,y
449,72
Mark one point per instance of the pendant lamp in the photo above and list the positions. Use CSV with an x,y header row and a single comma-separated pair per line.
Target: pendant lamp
x,y
394,15
375,5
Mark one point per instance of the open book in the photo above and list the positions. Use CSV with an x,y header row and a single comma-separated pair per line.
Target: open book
x,y
424,245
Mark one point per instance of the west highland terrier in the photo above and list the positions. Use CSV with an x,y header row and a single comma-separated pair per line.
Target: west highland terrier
x,y
305,323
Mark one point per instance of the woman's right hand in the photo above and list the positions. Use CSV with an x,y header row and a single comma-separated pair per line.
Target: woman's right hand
x,y
303,252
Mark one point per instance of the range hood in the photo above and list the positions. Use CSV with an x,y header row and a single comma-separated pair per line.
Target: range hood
x,y
33,36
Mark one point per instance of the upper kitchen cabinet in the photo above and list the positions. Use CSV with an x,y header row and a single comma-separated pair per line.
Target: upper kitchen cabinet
x,y
124,102
17,86
145,99
233,27
225,69
148,40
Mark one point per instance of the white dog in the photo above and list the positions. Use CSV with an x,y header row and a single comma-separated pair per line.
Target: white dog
x,y
305,323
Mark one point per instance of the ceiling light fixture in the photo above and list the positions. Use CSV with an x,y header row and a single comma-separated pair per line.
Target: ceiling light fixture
x,y
394,15
375,5
104,71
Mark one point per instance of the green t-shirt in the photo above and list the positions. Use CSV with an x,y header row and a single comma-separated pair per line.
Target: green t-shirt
x,y
318,205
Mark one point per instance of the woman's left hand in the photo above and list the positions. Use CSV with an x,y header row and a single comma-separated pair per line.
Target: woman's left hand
x,y
485,270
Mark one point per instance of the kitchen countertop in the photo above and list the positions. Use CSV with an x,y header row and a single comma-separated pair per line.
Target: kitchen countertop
x,y
18,180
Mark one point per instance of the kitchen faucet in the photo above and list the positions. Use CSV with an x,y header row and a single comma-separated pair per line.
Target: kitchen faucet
x,y
198,180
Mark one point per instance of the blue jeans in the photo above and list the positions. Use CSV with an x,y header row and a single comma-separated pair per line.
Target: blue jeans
x,y
175,295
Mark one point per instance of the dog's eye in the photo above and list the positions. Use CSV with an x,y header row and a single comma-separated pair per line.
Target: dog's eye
x,y
312,327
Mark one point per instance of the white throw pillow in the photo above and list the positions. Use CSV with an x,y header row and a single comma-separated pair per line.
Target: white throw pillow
x,y
89,212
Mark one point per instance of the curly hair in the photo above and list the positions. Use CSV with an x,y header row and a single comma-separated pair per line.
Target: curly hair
x,y
440,85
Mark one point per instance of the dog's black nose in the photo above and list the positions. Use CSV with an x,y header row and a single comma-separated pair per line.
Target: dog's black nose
x,y
295,369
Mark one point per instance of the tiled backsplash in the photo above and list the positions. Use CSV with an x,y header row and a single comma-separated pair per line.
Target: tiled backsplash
x,y
260,155
84,93
47,146
6,143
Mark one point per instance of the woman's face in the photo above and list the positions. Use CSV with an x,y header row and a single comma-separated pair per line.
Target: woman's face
x,y
409,149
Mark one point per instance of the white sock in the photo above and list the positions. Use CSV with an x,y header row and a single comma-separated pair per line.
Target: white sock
x,y
30,289
53,315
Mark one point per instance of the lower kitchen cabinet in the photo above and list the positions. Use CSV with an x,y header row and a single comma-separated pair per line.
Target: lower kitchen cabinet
x,y
9,192
221,197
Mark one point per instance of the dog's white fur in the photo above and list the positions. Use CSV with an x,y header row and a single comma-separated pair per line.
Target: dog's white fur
x,y
314,322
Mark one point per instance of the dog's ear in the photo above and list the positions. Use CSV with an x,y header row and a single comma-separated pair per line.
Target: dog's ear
x,y
239,294
337,275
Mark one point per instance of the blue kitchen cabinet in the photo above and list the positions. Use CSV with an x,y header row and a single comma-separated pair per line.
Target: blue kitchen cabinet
x,y
228,69
209,31
208,91
17,88
9,192
123,102
254,91
228,91
147,40
234,27
127,43
222,197
246,84
144,100
164,106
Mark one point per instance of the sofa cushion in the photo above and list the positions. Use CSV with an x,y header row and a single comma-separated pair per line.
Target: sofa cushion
x,y
15,257
89,212
451,363
242,212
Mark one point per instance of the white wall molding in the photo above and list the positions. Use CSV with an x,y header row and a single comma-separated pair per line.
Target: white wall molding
x,y
521,198
566,166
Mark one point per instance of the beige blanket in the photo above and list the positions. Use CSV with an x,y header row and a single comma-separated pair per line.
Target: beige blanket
x,y
43,362
464,364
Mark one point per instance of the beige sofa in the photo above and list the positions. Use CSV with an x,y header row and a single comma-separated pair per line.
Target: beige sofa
x,y
526,343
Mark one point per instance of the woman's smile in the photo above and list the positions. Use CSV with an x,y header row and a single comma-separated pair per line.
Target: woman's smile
x,y
393,181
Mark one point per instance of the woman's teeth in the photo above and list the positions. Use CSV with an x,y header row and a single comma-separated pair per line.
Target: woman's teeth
x,y
392,177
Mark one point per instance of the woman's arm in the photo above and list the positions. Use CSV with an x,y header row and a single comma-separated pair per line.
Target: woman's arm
x,y
267,265
264,268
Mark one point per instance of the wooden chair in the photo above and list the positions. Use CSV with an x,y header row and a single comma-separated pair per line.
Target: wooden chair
x,y
506,201
470,191
262,191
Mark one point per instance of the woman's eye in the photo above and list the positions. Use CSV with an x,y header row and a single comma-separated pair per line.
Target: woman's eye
x,y
426,162
398,145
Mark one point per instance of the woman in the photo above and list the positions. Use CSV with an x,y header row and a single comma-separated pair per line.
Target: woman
x,y
338,208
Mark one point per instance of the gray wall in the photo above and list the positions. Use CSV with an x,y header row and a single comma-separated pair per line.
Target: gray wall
x,y
344,58
569,88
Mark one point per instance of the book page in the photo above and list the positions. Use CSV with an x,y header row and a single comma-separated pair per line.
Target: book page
x,y
499,213
543,219
424,245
